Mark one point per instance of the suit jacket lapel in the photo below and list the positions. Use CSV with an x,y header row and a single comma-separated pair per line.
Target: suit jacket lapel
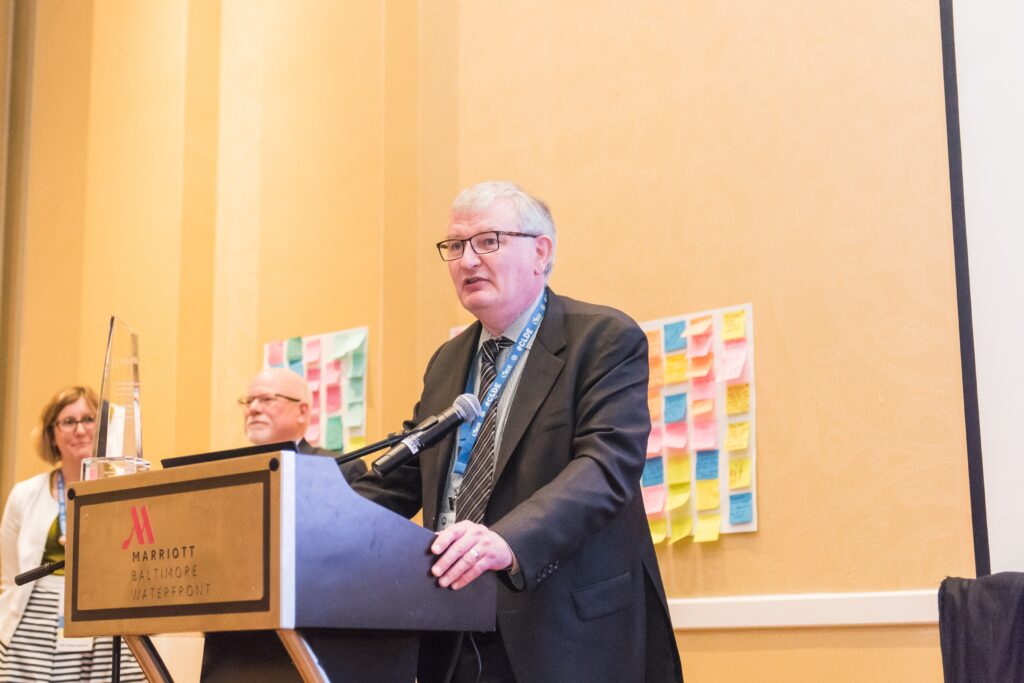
x,y
453,367
542,369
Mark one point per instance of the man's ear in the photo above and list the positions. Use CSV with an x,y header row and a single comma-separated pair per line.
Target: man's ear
x,y
544,248
303,413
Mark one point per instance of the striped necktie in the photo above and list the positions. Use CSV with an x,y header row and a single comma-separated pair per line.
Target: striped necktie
x,y
479,478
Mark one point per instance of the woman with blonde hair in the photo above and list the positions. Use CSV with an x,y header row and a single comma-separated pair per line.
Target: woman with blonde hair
x,y
32,642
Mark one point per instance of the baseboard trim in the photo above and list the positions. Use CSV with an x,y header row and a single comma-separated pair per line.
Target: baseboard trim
x,y
800,610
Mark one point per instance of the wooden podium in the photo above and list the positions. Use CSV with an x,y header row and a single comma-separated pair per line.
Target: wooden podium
x,y
289,573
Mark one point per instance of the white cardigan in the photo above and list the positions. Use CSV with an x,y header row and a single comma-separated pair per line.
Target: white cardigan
x,y
27,519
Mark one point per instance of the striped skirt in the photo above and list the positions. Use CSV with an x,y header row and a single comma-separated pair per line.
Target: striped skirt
x,y
32,653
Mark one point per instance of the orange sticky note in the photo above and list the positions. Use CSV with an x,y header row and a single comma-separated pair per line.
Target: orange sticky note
x,y
699,326
700,368
704,406
657,379
654,404
653,343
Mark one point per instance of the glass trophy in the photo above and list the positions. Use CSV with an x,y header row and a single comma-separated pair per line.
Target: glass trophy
x,y
118,446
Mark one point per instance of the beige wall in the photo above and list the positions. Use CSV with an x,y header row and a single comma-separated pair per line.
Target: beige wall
x,y
225,173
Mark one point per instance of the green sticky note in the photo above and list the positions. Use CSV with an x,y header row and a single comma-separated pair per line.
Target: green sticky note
x,y
334,440
354,392
294,349
354,414
357,364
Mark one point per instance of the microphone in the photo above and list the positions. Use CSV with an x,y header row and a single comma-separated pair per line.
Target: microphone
x,y
427,433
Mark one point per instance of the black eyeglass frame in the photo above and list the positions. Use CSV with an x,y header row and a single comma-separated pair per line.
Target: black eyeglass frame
x,y
497,241
69,424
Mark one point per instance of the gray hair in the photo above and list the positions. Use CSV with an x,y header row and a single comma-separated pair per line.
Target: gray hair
x,y
533,214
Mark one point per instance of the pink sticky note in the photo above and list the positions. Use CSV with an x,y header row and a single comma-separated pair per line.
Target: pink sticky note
x,y
700,346
703,390
312,354
332,372
333,398
275,354
675,435
313,377
314,408
654,498
734,359
705,435
699,326
654,441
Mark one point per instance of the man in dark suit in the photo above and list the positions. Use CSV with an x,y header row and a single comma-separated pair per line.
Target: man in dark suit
x,y
277,409
544,489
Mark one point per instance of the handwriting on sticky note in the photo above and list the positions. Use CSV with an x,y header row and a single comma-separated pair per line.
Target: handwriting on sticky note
x,y
737,438
675,336
737,399
675,368
741,508
739,473
707,494
708,528
654,472
734,325
707,465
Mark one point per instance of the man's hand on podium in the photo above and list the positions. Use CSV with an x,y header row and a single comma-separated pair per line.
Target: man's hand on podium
x,y
466,550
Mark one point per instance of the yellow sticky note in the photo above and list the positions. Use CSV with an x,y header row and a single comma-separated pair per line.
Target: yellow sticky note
x,y
739,473
704,406
737,399
734,325
653,343
675,368
700,367
708,527
699,326
682,524
659,528
356,442
707,494
677,469
678,496
654,404
657,380
738,436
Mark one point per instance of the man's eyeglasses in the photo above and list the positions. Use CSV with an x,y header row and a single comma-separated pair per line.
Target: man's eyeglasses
x,y
482,243
69,424
266,399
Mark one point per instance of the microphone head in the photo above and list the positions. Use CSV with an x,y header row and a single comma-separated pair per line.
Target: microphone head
x,y
467,406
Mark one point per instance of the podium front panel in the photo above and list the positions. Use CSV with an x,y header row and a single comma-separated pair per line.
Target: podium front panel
x,y
188,549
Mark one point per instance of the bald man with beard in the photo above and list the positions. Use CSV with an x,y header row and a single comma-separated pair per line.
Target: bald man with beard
x,y
277,408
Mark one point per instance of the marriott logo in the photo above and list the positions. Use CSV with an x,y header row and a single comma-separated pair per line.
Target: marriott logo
x,y
141,530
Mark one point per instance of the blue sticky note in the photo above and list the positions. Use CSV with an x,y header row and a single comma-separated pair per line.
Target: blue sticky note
x,y
654,472
675,336
297,367
741,508
707,464
675,408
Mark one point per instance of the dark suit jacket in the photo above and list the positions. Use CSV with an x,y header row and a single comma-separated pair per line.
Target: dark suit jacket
x,y
566,498
350,470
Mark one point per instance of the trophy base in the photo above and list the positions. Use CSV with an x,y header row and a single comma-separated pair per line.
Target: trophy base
x,y
101,468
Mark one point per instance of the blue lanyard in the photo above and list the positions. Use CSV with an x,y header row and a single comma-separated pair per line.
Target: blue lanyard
x,y
62,505
468,433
